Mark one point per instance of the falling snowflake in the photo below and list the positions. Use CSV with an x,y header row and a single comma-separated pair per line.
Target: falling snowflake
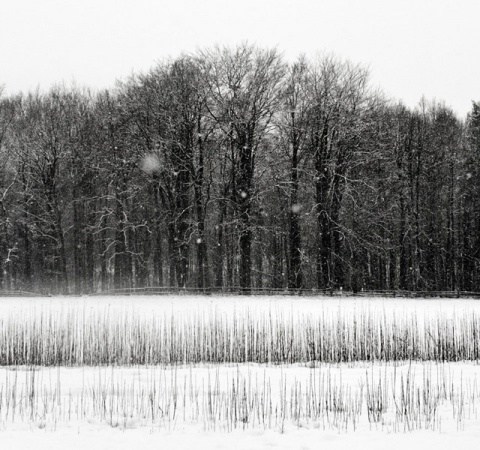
x,y
296,208
150,164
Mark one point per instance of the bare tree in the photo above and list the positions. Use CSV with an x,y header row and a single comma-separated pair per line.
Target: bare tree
x,y
340,97
243,94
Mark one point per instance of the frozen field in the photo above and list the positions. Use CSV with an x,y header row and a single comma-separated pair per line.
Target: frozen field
x,y
229,304
239,372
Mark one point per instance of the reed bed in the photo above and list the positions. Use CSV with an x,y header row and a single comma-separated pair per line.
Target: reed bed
x,y
93,337
383,397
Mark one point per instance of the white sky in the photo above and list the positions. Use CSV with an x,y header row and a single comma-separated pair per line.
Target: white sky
x,y
412,47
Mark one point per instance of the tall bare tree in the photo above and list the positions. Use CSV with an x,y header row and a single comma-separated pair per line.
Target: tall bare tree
x,y
243,89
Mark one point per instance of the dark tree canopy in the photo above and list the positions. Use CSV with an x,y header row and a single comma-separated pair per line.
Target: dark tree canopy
x,y
231,168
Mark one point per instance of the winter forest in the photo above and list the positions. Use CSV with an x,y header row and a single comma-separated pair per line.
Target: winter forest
x,y
233,169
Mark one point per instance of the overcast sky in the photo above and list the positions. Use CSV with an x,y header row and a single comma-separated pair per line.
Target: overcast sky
x,y
412,47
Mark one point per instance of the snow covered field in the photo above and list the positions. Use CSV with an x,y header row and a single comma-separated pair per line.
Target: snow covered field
x,y
292,399
229,304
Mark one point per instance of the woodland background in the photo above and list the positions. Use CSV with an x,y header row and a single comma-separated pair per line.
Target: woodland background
x,y
231,168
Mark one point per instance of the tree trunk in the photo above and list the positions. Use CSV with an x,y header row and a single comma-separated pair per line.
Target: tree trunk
x,y
295,280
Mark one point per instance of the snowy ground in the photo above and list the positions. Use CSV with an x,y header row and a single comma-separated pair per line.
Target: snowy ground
x,y
289,406
93,437
228,304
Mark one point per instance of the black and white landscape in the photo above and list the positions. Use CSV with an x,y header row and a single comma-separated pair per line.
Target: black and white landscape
x,y
239,226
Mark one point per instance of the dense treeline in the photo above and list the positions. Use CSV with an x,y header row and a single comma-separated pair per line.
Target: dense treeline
x,y
232,168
